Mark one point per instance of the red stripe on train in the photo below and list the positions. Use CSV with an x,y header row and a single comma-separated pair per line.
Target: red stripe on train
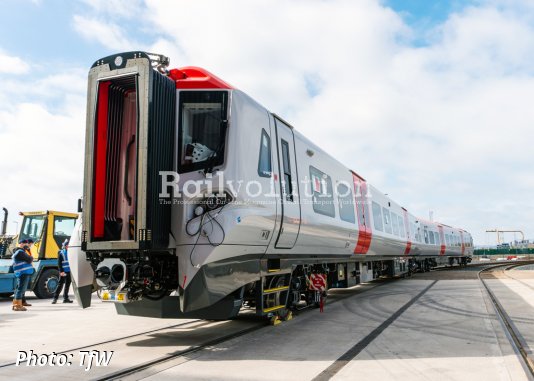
x,y
365,234
408,233
442,238
408,248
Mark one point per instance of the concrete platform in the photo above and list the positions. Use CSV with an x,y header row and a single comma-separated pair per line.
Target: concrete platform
x,y
449,332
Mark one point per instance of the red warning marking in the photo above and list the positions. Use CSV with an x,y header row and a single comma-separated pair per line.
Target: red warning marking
x,y
318,282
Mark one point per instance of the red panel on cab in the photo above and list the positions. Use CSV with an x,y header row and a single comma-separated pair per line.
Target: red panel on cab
x,y
197,78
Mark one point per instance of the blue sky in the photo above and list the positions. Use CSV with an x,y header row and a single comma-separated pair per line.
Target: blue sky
x,y
424,12
431,98
45,29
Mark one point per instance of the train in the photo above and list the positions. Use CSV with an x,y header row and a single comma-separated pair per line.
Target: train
x,y
199,202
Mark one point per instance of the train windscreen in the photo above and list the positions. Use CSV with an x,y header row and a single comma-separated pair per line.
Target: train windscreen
x,y
202,129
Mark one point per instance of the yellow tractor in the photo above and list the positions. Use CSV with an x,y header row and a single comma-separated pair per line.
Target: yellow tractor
x,y
48,229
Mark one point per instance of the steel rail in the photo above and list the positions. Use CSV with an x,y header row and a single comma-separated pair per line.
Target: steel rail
x,y
172,356
517,340
114,340
196,348
505,272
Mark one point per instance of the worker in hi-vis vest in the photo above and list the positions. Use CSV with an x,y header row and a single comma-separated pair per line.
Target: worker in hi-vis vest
x,y
64,273
23,269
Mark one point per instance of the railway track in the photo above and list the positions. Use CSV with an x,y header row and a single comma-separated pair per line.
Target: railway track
x,y
517,340
176,356
171,359
125,341
90,346
193,348
507,274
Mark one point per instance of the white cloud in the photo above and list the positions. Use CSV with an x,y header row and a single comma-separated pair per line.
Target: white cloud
x,y
41,140
108,34
115,8
440,127
443,127
12,65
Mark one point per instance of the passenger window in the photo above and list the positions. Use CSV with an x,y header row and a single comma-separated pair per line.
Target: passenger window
x,y
377,217
323,199
426,236
264,163
394,223
387,220
346,203
432,242
436,238
287,184
401,227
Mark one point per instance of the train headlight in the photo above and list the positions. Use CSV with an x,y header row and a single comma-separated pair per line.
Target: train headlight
x,y
117,273
102,276
118,61
110,273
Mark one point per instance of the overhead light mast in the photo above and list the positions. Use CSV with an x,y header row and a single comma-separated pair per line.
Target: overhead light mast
x,y
499,231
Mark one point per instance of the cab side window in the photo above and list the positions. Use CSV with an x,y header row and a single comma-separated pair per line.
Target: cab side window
x,y
264,163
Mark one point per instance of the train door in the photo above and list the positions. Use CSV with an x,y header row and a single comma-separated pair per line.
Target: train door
x,y
362,209
408,232
442,239
462,242
289,192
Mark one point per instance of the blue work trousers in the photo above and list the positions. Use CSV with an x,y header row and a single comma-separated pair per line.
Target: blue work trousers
x,y
22,284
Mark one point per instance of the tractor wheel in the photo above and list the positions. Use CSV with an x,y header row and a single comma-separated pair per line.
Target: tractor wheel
x,y
47,284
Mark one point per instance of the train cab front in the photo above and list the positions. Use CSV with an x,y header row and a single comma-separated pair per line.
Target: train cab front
x,y
144,122
131,116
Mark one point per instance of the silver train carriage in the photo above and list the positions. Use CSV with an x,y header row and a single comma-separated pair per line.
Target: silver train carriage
x,y
198,201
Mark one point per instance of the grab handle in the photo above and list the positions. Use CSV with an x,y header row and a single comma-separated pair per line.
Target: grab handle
x,y
126,169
